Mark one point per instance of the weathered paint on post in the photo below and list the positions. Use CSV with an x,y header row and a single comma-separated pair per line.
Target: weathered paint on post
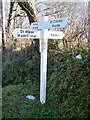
x,y
43,70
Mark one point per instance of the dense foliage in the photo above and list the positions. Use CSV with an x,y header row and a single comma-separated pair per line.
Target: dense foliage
x,y
18,67
67,84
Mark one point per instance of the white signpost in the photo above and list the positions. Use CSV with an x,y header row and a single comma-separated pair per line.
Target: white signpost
x,y
40,30
56,23
54,34
26,33
43,71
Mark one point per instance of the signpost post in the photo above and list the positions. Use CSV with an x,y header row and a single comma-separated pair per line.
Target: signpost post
x,y
40,30
43,70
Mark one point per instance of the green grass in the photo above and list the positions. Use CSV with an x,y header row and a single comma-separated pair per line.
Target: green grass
x,y
16,105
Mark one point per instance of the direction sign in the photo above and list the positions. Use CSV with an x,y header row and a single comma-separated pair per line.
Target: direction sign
x,y
54,34
56,23
26,33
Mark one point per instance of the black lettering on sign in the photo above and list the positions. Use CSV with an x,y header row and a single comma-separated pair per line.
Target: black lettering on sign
x,y
31,31
61,20
21,31
58,25
18,35
28,31
56,21
35,27
54,35
33,36
35,23
24,35
55,25
51,34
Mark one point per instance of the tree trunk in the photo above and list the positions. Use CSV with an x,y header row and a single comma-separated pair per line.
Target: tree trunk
x,y
3,26
89,24
10,15
89,32
0,29
29,11
32,18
